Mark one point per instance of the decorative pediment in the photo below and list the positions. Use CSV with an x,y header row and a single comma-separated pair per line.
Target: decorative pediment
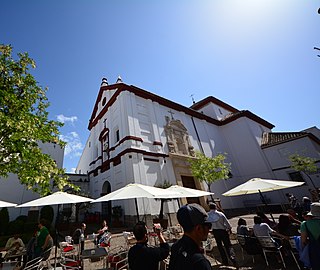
x,y
178,138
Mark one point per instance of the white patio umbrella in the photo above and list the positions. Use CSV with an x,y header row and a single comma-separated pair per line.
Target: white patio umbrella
x,y
189,192
7,204
259,185
134,191
57,198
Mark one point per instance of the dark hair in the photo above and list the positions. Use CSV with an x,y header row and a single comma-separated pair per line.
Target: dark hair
x,y
284,222
43,222
139,230
212,206
257,220
242,221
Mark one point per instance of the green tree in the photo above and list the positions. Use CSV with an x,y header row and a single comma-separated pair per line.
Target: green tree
x,y
304,164
209,169
23,124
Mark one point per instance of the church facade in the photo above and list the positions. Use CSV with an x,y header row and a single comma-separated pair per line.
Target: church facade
x,y
139,137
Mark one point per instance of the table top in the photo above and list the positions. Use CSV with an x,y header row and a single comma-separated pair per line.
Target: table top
x,y
93,253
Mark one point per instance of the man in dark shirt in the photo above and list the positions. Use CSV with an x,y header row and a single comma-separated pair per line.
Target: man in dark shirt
x,y
78,236
141,256
186,253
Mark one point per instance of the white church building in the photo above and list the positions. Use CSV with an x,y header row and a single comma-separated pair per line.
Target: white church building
x,y
139,137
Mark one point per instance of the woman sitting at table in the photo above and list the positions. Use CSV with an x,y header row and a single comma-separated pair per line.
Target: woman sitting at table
x,y
243,228
102,231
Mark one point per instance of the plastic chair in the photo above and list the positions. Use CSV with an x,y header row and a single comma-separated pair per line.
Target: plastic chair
x,y
269,245
70,264
115,257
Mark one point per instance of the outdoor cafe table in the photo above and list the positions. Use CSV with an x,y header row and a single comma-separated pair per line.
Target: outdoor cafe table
x,y
94,254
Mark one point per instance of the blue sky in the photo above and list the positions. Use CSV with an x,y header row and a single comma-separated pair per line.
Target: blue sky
x,y
255,55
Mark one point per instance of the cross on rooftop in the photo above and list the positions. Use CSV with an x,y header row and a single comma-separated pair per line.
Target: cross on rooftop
x,y
172,113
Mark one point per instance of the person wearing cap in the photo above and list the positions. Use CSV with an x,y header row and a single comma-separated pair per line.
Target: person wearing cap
x,y
141,256
310,234
186,253
221,228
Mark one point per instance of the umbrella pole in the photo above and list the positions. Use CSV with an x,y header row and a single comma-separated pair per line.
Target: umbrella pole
x,y
56,240
137,210
265,203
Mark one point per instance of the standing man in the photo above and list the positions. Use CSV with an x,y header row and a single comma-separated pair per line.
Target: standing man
x,y
144,257
78,236
186,253
221,229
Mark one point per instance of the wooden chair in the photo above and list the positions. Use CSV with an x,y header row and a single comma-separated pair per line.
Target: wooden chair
x,y
269,245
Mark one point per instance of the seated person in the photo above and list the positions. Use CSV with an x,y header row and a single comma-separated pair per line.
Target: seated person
x,y
286,227
265,219
104,229
261,229
43,239
242,228
14,246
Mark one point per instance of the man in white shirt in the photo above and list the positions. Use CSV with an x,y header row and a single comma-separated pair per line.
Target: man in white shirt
x,y
263,229
221,228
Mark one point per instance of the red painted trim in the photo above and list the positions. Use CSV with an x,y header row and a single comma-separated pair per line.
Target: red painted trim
x,y
168,103
106,164
127,138
157,143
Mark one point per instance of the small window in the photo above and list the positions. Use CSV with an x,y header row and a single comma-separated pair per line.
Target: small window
x,y
296,176
104,101
89,144
117,135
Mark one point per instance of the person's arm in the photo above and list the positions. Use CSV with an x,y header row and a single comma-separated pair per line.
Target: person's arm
x,y
46,242
226,222
303,234
304,239
8,244
275,233
161,252
21,243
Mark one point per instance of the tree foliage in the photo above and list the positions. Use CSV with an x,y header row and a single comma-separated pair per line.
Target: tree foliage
x,y
304,164
23,124
209,169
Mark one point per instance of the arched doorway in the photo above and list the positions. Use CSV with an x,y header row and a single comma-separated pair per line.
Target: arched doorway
x,y
106,206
